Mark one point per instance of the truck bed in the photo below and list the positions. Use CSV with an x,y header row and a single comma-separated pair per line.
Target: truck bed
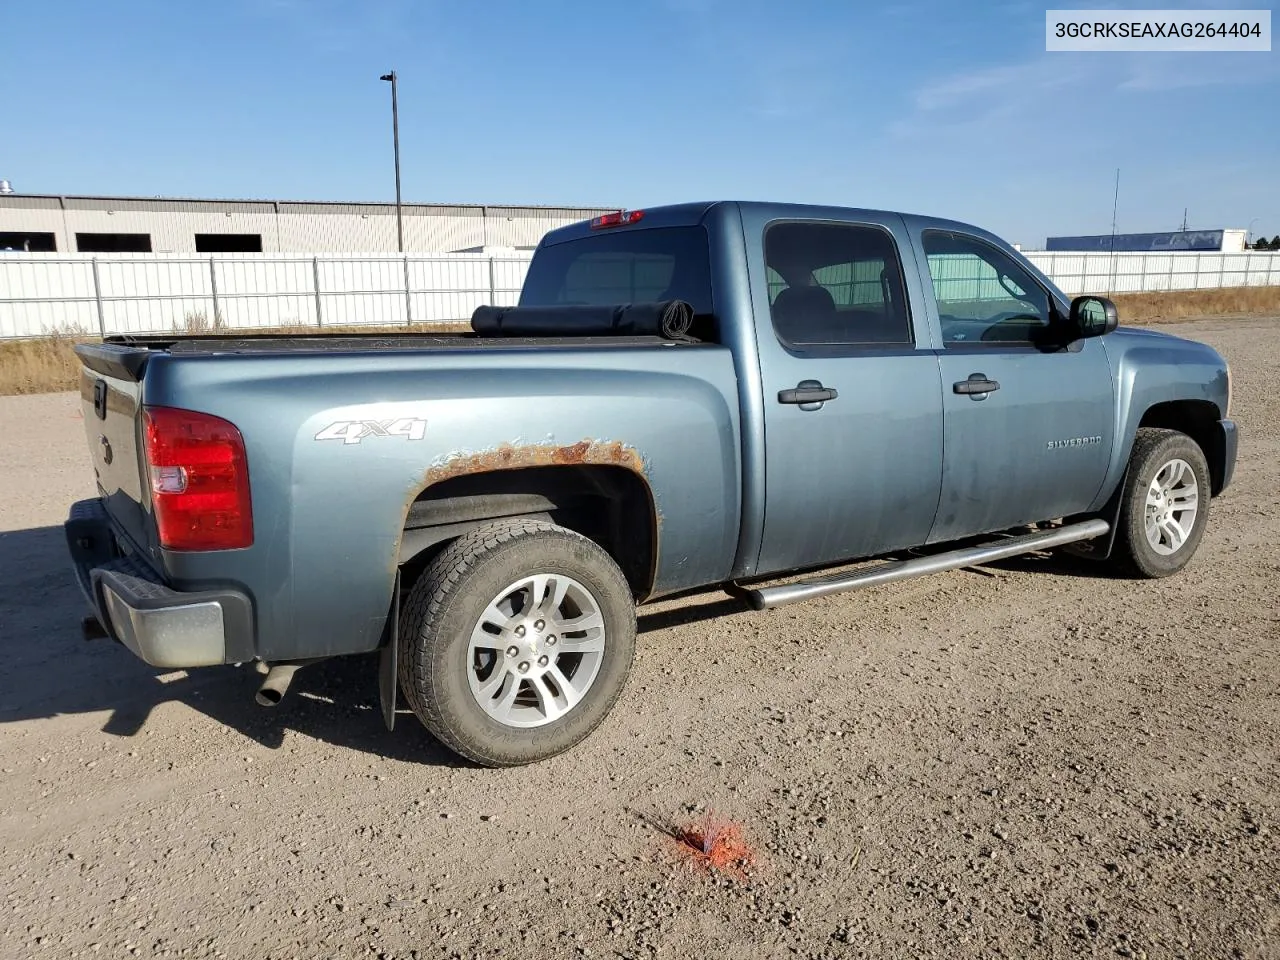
x,y
586,326
126,356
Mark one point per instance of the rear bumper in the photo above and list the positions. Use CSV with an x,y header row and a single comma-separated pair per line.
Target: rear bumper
x,y
1230,442
160,625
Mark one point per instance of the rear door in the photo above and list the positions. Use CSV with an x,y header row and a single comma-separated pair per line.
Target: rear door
x,y
851,387
1028,421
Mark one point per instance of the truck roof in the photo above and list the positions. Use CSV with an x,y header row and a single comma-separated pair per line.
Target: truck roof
x,y
688,214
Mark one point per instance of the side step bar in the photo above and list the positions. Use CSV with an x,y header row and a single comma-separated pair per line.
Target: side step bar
x,y
766,598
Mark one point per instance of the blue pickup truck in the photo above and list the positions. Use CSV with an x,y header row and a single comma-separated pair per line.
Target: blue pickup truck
x,y
705,395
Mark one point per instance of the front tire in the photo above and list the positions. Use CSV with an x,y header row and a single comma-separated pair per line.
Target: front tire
x,y
516,642
1165,504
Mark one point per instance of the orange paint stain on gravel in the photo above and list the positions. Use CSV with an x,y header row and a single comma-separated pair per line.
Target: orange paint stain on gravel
x,y
716,844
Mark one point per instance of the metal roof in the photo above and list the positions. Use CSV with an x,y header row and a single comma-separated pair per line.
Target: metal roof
x,y
158,199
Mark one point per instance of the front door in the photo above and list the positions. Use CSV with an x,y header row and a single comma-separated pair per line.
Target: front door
x,y
1027,422
852,395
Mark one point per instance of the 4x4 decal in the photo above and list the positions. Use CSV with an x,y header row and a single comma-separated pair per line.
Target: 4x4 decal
x,y
353,431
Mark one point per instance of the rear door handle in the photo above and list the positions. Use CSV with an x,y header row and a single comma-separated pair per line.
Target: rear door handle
x,y
807,391
976,387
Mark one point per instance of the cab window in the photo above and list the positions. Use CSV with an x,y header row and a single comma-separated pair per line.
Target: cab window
x,y
834,285
983,294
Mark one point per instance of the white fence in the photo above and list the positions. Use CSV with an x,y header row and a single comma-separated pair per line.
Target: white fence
x,y
1077,273
142,293
149,293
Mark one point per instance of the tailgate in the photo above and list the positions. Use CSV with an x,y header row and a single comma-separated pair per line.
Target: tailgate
x,y
111,400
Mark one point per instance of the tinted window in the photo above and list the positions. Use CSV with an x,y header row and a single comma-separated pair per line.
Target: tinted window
x,y
228,243
835,284
113,242
626,266
983,294
31,242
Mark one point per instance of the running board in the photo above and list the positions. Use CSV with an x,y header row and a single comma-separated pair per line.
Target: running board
x,y
766,598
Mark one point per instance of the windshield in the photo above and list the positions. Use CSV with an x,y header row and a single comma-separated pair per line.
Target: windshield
x,y
629,266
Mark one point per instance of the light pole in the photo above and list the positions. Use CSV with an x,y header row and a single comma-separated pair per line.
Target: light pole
x,y
395,134
1248,230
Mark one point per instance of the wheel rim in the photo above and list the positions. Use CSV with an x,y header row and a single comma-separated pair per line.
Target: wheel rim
x,y
1173,501
536,650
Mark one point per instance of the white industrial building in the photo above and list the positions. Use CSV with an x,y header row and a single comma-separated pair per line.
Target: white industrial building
x,y
93,224
1222,240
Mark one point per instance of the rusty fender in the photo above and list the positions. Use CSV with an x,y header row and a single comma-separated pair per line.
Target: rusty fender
x,y
516,456
510,456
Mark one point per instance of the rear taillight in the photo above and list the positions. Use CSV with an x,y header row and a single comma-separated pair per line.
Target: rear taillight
x,y
199,480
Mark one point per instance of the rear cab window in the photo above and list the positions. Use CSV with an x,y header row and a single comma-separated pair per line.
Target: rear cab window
x,y
835,286
626,265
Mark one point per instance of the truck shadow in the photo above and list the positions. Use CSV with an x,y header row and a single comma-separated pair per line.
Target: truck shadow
x,y
711,609
50,671
1057,563
704,604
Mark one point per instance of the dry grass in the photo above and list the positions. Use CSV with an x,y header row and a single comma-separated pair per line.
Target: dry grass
x,y
1138,308
45,364
39,366
48,364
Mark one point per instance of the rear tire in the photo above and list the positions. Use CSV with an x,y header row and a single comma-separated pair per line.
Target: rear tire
x,y
501,675
1164,506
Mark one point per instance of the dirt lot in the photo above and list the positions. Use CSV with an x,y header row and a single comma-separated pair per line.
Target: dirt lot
x,y
1021,760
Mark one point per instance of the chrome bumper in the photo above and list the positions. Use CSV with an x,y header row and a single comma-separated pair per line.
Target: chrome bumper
x,y
162,626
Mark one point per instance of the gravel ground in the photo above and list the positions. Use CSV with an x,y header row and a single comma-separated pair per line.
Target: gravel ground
x,y
1021,760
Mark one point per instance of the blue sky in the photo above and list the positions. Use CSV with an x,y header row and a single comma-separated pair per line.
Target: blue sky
x,y
937,107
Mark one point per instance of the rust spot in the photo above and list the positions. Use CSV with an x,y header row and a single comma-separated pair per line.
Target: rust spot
x,y
508,456
572,454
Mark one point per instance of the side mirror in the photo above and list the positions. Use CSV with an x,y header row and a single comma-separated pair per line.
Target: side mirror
x,y
1092,317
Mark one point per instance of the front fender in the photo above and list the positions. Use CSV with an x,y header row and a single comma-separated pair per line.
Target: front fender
x,y
1153,368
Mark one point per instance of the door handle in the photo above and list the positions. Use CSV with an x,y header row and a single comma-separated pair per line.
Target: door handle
x,y
976,387
807,391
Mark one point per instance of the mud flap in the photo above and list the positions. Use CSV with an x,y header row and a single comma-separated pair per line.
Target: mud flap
x,y
388,660
1100,547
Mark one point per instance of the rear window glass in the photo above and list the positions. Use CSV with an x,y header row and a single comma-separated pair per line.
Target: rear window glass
x,y
629,266
835,284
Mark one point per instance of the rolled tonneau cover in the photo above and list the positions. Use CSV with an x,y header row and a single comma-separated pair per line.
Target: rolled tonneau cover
x,y
671,319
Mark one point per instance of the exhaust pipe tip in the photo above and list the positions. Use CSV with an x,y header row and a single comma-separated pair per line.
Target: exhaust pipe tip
x,y
276,684
268,697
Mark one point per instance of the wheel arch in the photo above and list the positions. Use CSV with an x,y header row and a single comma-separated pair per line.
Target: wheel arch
x,y
611,505
1198,419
